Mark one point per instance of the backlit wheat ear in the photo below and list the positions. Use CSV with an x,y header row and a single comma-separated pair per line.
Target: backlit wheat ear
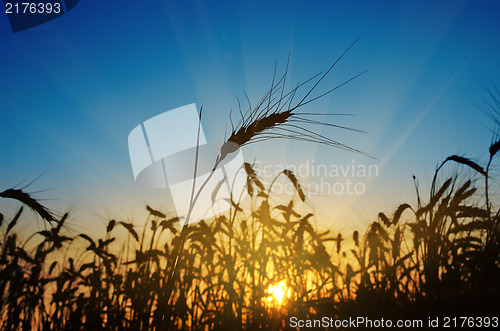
x,y
29,201
276,116
295,183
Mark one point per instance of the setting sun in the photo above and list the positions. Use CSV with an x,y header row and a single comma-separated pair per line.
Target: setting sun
x,y
277,292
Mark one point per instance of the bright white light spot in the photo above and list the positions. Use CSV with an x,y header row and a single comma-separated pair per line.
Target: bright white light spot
x,y
278,292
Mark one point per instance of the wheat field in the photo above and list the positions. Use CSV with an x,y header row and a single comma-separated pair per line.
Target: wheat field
x,y
259,263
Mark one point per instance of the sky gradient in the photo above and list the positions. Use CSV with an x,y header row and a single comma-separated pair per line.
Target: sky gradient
x,y
72,89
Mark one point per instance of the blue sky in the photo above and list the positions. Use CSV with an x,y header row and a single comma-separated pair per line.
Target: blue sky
x,y
72,89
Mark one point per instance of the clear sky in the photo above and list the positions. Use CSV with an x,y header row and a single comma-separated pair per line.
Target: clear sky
x,y
72,89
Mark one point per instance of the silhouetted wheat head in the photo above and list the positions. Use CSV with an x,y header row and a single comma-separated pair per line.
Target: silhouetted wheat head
x,y
277,114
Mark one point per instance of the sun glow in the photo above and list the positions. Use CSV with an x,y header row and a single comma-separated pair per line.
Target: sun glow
x,y
278,292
